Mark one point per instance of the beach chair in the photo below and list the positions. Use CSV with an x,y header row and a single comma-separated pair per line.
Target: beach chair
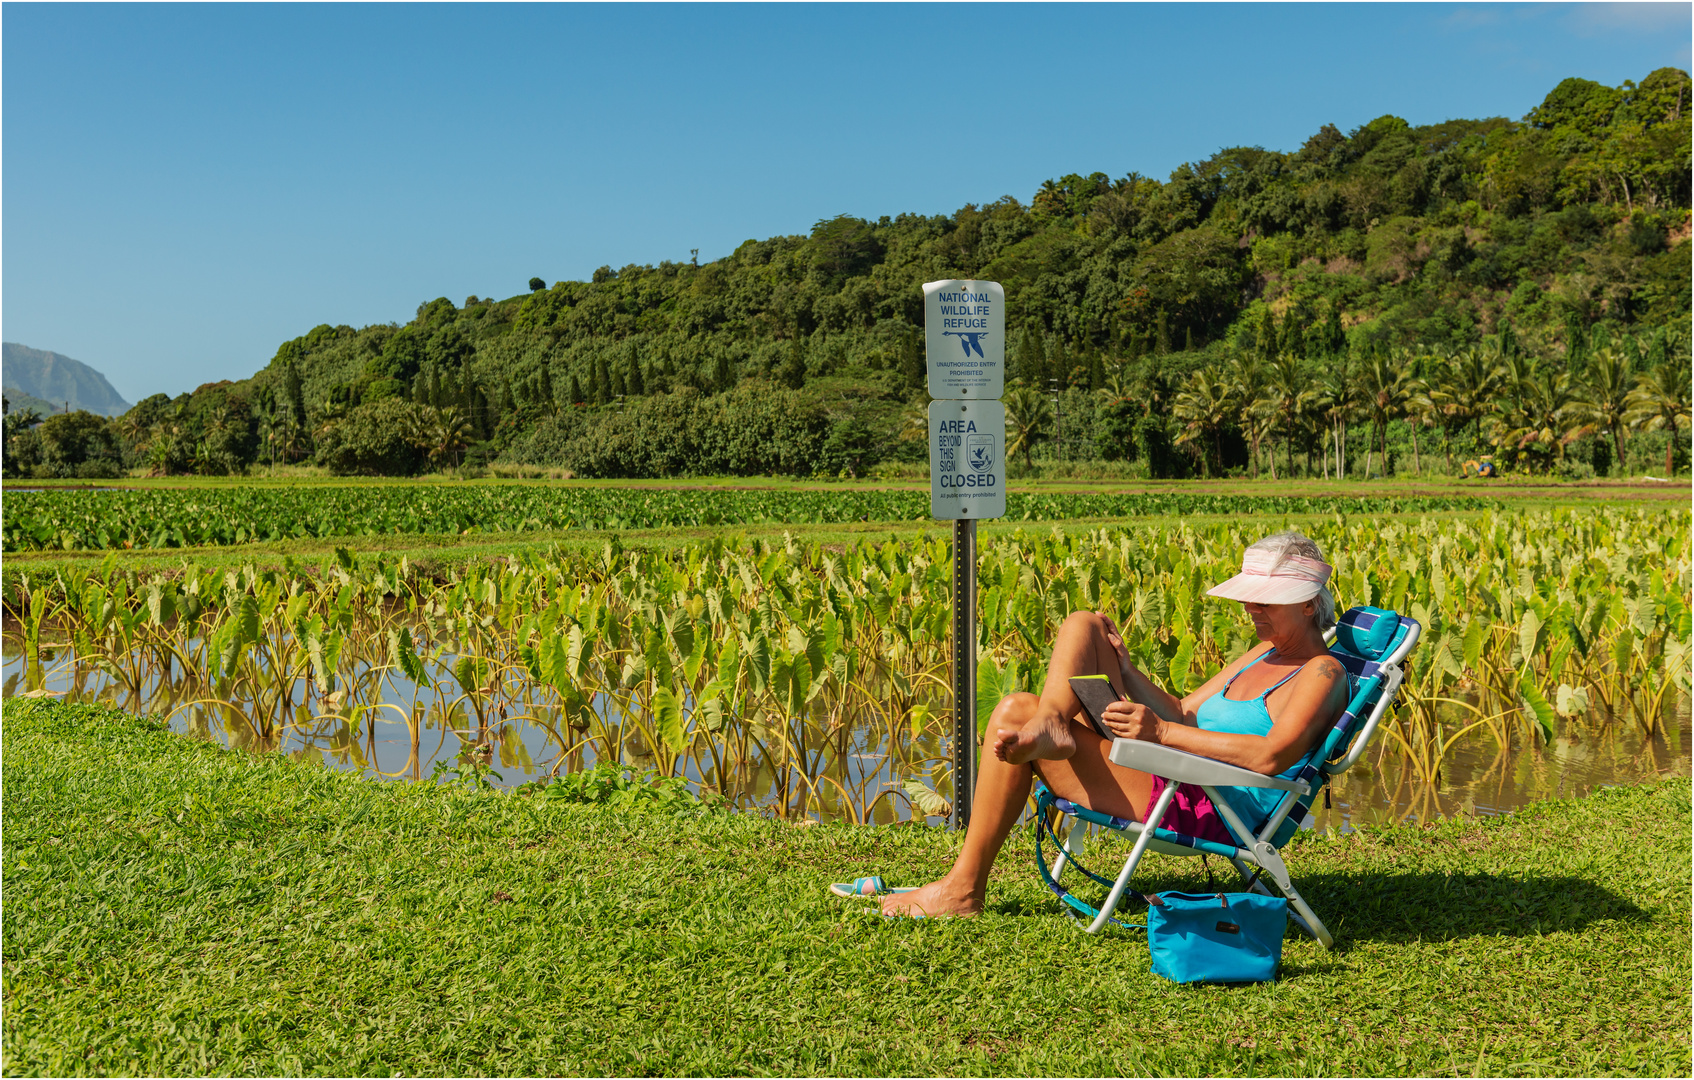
x,y
1370,643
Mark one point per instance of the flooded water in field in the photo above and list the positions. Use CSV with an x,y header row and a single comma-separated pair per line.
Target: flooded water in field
x,y
412,736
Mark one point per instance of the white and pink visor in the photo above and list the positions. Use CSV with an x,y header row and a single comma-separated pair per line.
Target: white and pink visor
x,y
1264,580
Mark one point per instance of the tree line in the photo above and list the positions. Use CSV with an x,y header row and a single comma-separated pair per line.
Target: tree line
x,y
1246,307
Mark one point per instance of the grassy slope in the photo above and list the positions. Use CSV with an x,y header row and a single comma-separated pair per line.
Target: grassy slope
x,y
173,908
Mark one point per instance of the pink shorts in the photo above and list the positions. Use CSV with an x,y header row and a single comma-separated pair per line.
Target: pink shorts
x,y
1189,813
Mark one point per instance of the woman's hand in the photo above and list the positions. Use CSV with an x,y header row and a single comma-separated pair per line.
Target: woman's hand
x,y
1131,720
1115,640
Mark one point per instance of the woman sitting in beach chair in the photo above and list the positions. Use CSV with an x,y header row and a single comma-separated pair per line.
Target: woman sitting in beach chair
x,y
1264,712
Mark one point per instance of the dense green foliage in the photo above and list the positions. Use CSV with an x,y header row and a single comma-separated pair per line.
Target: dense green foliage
x,y
176,909
80,519
1277,283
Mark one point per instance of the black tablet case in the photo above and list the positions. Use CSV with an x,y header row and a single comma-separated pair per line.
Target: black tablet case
x,y
1095,692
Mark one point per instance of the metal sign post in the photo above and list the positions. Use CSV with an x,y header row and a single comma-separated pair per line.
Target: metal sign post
x,y
965,335
964,670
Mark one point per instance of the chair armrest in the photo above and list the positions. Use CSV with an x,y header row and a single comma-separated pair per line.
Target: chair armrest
x,y
1186,768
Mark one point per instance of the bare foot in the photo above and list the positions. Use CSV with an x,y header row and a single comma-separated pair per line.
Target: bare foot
x,y
1038,740
935,899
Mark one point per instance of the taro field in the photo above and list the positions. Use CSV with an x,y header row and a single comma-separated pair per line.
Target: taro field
x,y
803,679
126,519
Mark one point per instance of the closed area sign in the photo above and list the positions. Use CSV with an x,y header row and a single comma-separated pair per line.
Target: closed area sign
x,y
967,459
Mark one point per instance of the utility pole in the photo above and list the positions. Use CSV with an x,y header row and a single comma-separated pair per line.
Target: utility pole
x,y
1058,418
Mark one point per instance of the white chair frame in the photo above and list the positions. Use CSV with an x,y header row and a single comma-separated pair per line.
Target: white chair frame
x,y
1261,855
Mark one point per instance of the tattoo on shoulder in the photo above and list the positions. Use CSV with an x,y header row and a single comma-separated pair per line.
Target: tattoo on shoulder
x,y
1330,668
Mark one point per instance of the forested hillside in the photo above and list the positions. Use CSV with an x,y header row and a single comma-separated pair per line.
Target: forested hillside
x,y
1517,288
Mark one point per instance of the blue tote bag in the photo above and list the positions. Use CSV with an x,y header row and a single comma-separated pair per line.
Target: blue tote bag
x,y
1215,937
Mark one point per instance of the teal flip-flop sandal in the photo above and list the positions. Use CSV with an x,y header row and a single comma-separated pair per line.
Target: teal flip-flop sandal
x,y
865,886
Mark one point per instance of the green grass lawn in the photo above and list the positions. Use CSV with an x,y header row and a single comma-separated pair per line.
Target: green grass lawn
x,y
174,908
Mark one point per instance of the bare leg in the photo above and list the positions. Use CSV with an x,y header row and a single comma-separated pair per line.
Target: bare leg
x,y
1080,648
1084,774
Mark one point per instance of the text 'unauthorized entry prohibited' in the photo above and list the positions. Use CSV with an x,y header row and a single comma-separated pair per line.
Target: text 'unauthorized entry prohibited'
x,y
965,337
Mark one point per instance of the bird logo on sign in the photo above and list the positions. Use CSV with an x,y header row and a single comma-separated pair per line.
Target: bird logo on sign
x,y
968,340
979,451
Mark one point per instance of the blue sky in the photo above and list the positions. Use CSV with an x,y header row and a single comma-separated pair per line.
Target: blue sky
x,y
185,187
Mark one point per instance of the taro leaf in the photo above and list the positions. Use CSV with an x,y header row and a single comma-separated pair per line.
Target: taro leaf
x,y
345,560
1422,615
781,669
1642,616
1676,664
709,712
1529,634
817,662
247,618
993,684
221,649
927,800
161,603
830,636
799,685
1571,700
1475,636
464,670
1577,637
1445,661
729,661
658,657
634,670
696,656
555,658
531,662
576,649
1536,706
1623,646
323,674
920,717
758,652
668,716
682,634
1179,674
400,651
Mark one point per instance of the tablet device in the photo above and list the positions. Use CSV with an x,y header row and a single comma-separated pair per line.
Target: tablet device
x,y
1096,692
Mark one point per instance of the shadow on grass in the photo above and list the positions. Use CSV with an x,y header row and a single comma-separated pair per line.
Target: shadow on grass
x,y
1433,906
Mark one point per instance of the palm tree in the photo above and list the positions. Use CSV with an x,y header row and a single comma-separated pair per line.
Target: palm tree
x,y
914,423
1387,384
1530,419
1288,394
1602,401
1204,406
439,433
1467,382
1660,400
1247,383
330,413
1338,398
1027,415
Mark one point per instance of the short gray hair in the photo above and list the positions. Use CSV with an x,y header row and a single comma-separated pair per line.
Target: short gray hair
x,y
1293,542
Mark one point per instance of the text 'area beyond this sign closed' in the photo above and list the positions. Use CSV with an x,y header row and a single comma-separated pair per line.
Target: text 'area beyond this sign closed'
x,y
967,459
965,338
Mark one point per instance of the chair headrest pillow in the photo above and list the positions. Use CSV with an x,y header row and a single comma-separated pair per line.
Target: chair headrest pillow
x,y
1367,631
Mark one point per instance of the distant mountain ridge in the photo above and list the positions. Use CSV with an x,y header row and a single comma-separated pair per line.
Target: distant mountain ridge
x,y
55,379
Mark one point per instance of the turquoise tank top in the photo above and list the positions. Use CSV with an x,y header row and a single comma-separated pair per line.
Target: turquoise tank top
x,y
1250,717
